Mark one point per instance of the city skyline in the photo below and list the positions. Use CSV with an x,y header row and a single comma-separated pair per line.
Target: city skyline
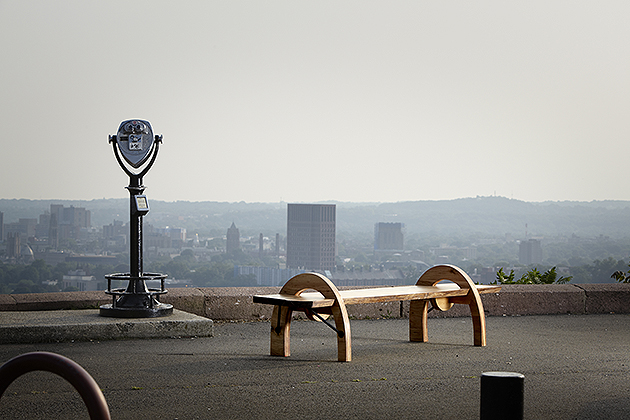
x,y
319,101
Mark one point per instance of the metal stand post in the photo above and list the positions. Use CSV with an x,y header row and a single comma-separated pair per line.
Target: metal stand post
x,y
137,300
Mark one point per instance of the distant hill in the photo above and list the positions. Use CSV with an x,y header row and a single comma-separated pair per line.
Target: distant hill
x,y
497,216
489,216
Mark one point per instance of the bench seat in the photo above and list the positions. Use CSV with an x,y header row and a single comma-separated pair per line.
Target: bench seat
x,y
316,296
372,295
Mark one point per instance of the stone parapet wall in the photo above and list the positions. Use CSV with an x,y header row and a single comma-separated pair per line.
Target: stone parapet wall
x,y
235,303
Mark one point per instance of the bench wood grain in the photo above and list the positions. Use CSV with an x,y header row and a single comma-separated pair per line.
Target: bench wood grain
x,y
328,300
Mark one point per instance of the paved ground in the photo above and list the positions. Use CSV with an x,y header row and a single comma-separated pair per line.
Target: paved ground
x,y
575,367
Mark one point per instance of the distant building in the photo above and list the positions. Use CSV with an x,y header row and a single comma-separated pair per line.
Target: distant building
x,y
446,254
92,259
362,277
53,231
530,252
311,236
41,230
14,247
27,255
25,228
470,252
233,237
388,237
114,229
52,257
81,281
64,223
1,226
267,276
484,275
442,259
177,235
76,216
154,240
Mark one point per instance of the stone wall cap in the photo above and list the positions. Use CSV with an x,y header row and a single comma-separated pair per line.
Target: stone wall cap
x,y
554,288
605,287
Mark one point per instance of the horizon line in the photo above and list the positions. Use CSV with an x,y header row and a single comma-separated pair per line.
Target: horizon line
x,y
320,201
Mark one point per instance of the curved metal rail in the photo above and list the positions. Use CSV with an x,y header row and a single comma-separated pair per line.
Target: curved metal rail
x,y
64,367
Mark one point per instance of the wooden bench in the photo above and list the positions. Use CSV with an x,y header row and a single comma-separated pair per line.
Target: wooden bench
x,y
328,300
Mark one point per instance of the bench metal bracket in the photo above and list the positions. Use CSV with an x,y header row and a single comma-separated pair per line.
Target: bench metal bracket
x,y
321,318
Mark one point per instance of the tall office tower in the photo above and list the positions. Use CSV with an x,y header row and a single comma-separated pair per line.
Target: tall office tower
x,y
13,245
530,252
53,231
388,236
76,216
70,221
233,239
311,236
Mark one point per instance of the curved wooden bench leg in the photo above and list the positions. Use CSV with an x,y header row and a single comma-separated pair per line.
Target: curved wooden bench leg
x,y
478,319
295,286
418,310
280,331
344,343
455,274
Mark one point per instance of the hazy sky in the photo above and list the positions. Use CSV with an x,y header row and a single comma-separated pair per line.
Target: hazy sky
x,y
305,101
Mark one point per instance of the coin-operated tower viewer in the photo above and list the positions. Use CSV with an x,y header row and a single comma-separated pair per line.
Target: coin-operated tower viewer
x,y
136,149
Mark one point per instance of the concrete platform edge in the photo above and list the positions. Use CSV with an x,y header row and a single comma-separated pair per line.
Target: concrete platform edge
x,y
28,327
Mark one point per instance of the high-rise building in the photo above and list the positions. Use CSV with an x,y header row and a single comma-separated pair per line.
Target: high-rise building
x,y
24,227
530,252
66,223
388,236
53,231
311,236
13,245
75,216
233,239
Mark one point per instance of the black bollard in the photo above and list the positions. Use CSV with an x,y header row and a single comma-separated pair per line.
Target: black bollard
x,y
502,395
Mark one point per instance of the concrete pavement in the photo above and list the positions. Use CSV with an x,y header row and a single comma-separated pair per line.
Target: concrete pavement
x,y
575,367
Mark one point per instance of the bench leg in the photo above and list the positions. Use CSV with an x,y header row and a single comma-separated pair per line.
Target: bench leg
x,y
473,300
280,341
344,343
418,310
281,318
479,321
418,331
280,331
455,274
